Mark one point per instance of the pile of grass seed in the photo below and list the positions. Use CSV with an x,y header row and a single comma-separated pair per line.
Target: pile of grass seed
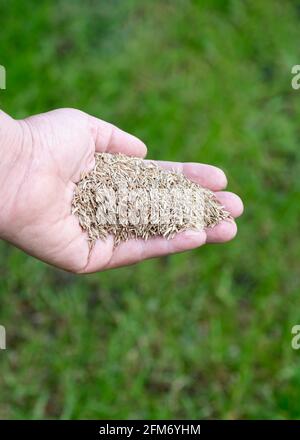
x,y
132,198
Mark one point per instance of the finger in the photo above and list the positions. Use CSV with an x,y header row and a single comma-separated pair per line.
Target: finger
x,y
224,231
133,251
231,202
111,139
207,176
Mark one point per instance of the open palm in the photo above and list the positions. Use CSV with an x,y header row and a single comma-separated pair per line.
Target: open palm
x,y
62,145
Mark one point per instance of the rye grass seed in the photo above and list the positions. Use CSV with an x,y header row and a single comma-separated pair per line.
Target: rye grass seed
x,y
132,198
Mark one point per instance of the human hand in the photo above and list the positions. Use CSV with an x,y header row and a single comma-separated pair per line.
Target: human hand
x,y
42,158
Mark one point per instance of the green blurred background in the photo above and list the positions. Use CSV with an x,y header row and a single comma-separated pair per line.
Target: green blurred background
x,y
205,334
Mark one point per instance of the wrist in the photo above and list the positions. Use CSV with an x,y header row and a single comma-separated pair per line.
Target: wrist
x,y
13,153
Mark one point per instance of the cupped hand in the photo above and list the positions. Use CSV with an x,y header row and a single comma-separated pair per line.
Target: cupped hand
x,y
52,151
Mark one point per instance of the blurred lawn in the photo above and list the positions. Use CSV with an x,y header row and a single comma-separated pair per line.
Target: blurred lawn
x,y
203,334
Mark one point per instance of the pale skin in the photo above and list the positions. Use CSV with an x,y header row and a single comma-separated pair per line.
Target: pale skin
x,y
42,158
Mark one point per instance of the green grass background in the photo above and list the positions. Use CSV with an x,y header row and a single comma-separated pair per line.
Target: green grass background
x,y
203,334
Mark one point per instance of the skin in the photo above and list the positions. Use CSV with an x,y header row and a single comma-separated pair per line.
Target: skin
x,y
42,157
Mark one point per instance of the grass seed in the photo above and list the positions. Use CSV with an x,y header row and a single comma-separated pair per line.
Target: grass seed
x,y
129,197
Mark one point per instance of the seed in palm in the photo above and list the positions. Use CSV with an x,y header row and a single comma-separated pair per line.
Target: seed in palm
x,y
129,197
